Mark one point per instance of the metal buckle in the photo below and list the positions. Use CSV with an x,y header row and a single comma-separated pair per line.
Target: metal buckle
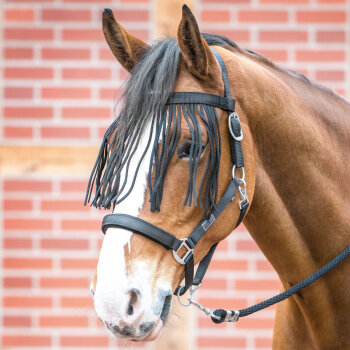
x,y
188,252
240,136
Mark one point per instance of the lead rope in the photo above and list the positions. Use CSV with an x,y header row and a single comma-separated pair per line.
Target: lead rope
x,y
221,315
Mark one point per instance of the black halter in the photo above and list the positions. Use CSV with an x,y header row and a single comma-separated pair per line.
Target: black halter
x,y
168,240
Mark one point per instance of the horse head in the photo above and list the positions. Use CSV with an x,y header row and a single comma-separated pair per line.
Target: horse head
x,y
167,164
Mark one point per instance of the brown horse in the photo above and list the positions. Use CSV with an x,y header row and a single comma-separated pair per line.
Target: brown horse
x,y
296,148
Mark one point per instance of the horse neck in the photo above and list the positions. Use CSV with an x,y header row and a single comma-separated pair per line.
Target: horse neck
x,y
299,215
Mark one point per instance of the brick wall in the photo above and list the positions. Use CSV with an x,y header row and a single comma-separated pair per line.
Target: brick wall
x,y
59,82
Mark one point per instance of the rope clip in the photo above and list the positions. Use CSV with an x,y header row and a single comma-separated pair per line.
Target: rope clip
x,y
190,300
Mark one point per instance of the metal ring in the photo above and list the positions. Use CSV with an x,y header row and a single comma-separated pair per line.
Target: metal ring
x,y
179,299
240,136
234,175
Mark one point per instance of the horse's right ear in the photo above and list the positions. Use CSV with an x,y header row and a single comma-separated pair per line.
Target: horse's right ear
x,y
125,47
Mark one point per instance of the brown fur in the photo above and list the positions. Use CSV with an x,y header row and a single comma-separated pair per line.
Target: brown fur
x,y
296,149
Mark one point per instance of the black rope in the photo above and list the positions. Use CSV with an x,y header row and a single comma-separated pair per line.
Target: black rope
x,y
287,293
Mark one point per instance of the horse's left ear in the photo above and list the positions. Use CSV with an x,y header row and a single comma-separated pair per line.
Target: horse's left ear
x,y
194,49
125,47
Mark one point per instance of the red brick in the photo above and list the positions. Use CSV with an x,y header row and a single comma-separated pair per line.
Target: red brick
x,y
320,55
256,16
287,2
64,282
224,302
141,34
73,186
330,75
26,302
63,321
57,243
77,302
27,34
28,112
17,282
263,343
89,1
18,92
86,73
215,16
86,113
229,265
64,15
285,36
79,264
23,340
27,263
255,323
215,283
258,285
17,243
63,205
16,321
17,204
237,35
81,225
110,94
27,224
330,36
18,132
274,55
18,53
19,15
65,132
247,245
134,15
28,73
27,186
227,1
313,16
221,342
264,265
84,341
65,54
82,35
65,93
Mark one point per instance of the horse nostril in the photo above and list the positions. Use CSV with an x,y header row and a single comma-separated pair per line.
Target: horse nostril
x,y
134,295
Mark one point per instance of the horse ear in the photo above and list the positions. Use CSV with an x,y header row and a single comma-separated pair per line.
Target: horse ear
x,y
125,47
194,49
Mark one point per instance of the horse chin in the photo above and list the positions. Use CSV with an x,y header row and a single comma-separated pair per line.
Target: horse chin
x,y
155,331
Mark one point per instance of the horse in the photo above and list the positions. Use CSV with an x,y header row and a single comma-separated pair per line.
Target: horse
x,y
296,147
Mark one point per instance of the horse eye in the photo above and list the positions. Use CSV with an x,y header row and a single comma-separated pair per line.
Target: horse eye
x,y
184,149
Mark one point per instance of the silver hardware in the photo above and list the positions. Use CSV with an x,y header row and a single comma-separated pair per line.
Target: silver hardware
x,y
207,223
191,300
232,316
240,136
243,194
188,252
234,175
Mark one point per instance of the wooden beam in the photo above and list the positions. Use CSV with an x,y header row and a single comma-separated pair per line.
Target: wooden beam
x,y
168,16
47,159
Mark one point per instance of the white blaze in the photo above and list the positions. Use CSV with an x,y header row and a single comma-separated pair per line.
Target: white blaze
x,y
111,295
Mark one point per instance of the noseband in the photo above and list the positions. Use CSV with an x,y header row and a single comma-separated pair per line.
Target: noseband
x,y
168,240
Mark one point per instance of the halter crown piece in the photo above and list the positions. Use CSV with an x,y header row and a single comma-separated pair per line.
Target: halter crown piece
x,y
108,190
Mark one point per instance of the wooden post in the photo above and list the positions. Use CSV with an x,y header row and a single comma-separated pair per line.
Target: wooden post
x,y
168,16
